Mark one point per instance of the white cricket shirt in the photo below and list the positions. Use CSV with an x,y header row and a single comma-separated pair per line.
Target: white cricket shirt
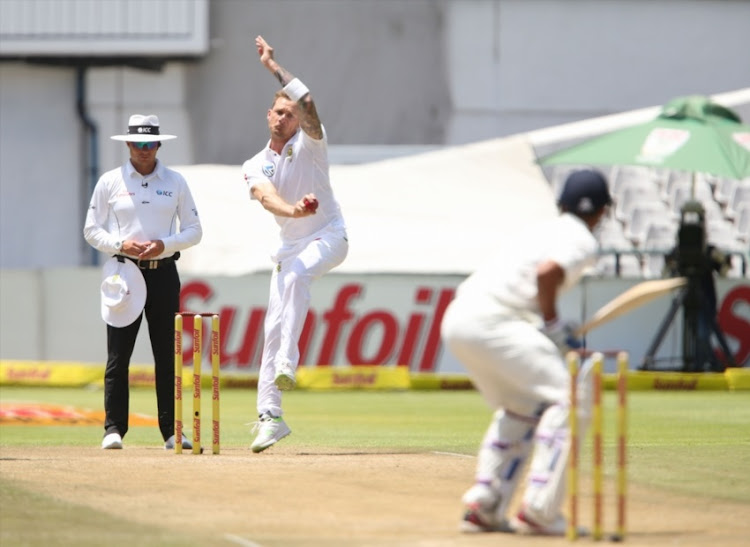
x,y
509,281
126,205
301,168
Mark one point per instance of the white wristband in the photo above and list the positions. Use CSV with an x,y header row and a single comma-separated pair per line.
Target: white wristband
x,y
296,90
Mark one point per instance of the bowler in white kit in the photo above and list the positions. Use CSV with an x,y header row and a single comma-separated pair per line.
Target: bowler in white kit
x,y
289,178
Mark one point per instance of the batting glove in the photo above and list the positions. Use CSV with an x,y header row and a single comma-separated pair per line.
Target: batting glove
x,y
563,334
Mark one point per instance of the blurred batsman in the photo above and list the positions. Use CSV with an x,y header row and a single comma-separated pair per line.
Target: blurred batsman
x,y
503,326
289,178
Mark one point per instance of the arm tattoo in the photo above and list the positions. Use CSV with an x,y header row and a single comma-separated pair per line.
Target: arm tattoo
x,y
283,76
309,120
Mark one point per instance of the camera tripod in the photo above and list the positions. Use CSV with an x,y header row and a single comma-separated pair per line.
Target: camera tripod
x,y
697,328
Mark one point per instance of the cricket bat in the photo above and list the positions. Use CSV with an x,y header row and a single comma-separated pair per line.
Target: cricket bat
x,y
631,299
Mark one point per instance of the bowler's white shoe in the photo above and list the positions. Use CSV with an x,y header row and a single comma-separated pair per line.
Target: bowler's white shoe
x,y
112,441
270,431
169,444
285,379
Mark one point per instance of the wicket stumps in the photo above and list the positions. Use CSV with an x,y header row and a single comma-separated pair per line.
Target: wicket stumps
x,y
597,425
197,365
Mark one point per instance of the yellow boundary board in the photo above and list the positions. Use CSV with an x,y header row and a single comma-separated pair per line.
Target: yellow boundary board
x,y
366,377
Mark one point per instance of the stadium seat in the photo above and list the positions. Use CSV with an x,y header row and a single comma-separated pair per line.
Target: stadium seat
x,y
643,182
661,235
723,190
627,176
642,216
641,193
611,236
740,195
742,223
653,265
703,191
660,239
712,209
622,175
676,178
722,234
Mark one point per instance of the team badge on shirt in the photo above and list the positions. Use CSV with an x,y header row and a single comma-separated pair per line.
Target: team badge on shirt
x,y
269,169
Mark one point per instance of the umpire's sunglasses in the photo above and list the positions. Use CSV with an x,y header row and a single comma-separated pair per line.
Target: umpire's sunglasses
x,y
146,145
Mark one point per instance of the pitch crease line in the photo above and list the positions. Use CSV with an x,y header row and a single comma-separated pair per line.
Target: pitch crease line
x,y
241,541
456,454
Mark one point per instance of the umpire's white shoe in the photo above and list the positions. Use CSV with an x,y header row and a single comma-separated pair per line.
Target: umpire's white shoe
x,y
285,379
169,443
270,431
112,441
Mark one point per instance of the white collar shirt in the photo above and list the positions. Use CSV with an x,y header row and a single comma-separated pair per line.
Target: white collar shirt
x,y
301,168
126,205
508,282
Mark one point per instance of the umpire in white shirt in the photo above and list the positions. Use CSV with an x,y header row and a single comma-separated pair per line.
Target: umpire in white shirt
x,y
134,215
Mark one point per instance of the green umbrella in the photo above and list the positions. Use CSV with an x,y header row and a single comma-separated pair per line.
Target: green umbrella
x,y
691,134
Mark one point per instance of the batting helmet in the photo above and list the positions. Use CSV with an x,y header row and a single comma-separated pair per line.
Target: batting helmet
x,y
585,192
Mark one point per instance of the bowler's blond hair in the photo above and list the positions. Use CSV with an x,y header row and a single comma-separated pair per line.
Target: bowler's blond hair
x,y
280,94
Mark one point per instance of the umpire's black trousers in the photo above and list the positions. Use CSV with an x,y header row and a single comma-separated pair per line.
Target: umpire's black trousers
x,y
162,302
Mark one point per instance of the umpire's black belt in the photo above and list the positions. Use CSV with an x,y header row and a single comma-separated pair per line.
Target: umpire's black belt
x,y
150,264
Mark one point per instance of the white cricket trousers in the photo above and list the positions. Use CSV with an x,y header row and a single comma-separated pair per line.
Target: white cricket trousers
x,y
512,364
297,266
523,377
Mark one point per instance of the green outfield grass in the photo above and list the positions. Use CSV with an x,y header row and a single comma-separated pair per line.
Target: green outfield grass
x,y
685,442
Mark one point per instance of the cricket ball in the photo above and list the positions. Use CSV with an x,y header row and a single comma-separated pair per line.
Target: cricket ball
x,y
310,204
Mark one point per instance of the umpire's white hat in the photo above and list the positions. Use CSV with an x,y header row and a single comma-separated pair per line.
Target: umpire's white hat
x,y
123,292
143,129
